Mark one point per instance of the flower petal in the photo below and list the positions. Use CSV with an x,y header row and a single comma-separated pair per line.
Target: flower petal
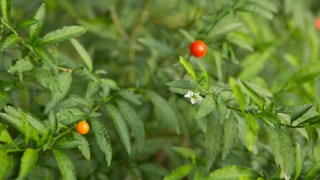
x,y
193,100
189,94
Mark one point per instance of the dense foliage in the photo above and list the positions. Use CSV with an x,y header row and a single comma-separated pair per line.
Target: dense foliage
x,y
245,108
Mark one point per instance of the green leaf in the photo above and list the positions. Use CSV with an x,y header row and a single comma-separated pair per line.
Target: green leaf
x,y
208,104
237,92
45,56
305,74
120,126
186,64
314,171
187,35
19,113
134,121
10,41
68,143
257,9
36,28
282,149
254,95
179,173
76,102
65,165
182,86
297,111
299,161
213,138
164,111
21,65
257,62
83,146
233,172
92,88
70,115
226,28
130,96
153,168
4,135
102,139
6,164
199,175
28,161
240,42
45,79
64,80
259,90
64,34
13,121
26,23
187,152
230,134
157,45
204,75
6,10
1,29
83,53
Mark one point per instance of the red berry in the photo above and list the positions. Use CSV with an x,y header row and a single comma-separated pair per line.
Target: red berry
x,y
198,48
83,127
317,24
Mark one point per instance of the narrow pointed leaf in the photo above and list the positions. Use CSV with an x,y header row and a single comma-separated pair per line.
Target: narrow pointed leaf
x,y
130,96
4,135
179,173
36,28
102,139
282,149
213,138
21,65
299,161
83,53
254,95
65,165
233,172
134,121
314,171
6,10
302,76
163,109
68,143
188,67
45,56
64,34
28,161
64,80
230,134
208,104
6,164
120,126
10,41
237,92
26,23
83,146
186,152
69,116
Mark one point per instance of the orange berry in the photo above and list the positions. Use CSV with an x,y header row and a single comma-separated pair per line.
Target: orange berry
x,y
317,24
83,127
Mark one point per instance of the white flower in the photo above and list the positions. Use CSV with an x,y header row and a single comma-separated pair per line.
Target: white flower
x,y
194,96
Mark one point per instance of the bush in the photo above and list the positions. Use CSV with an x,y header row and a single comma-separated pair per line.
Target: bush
x,y
247,109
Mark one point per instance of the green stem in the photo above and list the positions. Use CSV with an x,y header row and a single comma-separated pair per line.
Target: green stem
x,y
15,32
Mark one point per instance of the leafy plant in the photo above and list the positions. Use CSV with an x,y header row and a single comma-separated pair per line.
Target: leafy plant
x,y
247,109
